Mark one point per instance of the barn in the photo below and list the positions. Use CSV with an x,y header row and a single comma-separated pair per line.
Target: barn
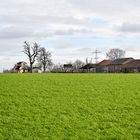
x,y
116,66
103,66
132,67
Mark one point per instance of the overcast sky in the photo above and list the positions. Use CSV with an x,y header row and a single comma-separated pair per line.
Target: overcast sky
x,y
70,29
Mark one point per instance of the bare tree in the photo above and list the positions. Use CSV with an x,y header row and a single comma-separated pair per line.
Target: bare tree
x,y
57,68
115,54
44,59
78,64
32,53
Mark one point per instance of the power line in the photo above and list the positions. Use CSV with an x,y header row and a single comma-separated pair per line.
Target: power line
x,y
96,52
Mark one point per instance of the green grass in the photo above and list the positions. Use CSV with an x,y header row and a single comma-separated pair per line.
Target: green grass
x,y
69,106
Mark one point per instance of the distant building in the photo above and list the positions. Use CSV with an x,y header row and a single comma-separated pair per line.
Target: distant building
x,y
68,68
89,68
20,67
36,69
116,66
132,67
103,66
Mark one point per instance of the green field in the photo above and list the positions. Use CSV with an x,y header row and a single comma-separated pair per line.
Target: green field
x,y
69,106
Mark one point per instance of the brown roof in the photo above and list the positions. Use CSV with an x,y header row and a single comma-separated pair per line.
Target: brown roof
x,y
121,61
104,63
67,65
133,64
88,66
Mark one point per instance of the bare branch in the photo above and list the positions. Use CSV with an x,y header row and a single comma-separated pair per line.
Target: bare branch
x,y
44,58
32,52
115,54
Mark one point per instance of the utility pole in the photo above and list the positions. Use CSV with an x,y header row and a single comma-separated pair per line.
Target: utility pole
x,y
96,55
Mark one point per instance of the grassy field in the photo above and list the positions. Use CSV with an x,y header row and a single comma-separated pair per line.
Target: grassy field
x,y
69,106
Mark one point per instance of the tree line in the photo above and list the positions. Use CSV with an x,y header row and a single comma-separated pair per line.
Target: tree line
x,y
35,52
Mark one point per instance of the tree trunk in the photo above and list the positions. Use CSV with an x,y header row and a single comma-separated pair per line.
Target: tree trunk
x,y
44,68
31,68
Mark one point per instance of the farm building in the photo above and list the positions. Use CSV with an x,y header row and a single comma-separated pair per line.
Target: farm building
x,y
21,67
68,68
116,66
132,67
103,66
89,68
37,69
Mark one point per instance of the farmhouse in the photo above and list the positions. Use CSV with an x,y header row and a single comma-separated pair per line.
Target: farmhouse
x,y
103,66
132,67
21,67
116,66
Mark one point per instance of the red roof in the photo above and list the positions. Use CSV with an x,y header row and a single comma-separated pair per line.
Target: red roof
x,y
104,63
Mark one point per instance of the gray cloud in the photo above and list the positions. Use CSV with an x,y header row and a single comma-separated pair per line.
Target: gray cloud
x,y
15,32
129,28
107,7
133,48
